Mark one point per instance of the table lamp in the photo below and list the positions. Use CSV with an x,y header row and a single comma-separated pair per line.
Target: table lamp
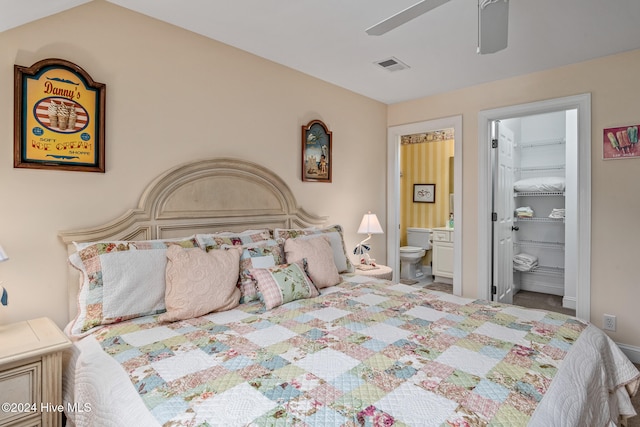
x,y
369,225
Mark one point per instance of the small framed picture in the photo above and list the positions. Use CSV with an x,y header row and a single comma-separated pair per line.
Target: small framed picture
x,y
424,193
316,152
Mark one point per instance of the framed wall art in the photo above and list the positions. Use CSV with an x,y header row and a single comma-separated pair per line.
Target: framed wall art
x,y
620,142
58,117
316,152
424,193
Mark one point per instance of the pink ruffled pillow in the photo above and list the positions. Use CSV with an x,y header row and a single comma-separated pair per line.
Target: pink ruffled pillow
x,y
200,282
319,255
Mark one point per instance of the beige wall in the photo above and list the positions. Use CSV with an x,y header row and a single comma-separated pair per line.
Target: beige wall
x,y
613,83
172,96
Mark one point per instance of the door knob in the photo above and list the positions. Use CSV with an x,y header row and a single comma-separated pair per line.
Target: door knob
x,y
515,228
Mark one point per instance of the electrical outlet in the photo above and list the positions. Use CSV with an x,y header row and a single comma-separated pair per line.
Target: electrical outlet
x,y
609,322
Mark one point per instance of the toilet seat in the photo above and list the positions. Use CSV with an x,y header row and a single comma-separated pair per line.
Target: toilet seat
x,y
410,249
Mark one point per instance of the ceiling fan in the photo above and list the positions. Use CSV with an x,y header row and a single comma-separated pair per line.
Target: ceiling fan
x,y
493,22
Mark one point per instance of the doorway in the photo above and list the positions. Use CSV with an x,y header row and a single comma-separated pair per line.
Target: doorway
x,y
577,236
394,135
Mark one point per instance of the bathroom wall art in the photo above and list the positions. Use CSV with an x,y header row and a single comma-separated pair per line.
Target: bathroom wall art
x,y
424,193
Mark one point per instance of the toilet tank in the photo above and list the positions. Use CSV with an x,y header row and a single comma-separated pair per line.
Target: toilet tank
x,y
420,237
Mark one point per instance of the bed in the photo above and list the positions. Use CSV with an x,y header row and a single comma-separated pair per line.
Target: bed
x,y
218,301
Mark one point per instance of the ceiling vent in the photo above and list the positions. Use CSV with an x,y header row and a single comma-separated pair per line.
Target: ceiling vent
x,y
392,64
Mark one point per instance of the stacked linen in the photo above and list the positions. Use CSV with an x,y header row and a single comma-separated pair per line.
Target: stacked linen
x,y
524,262
557,213
524,212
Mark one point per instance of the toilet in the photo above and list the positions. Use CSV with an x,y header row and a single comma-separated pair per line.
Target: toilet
x,y
418,243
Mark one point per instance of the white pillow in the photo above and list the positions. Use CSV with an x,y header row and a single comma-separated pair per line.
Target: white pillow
x,y
120,281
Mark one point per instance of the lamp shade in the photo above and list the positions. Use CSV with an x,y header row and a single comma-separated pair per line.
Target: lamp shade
x,y
370,225
3,255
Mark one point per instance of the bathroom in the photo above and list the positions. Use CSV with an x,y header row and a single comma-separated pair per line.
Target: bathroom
x,y
426,206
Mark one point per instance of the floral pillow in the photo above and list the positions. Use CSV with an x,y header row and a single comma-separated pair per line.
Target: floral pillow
x,y
256,255
217,240
334,232
200,282
283,283
121,280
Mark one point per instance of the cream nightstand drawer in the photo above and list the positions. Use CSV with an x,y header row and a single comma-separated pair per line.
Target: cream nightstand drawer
x,y
20,392
31,373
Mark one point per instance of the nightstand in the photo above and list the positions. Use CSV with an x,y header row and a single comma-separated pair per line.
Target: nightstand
x,y
379,271
31,373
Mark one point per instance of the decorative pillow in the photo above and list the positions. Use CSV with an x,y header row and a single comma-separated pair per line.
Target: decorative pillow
x,y
320,264
216,240
121,280
200,282
256,255
283,283
343,264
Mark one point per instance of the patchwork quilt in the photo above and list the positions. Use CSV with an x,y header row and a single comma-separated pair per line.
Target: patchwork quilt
x,y
362,354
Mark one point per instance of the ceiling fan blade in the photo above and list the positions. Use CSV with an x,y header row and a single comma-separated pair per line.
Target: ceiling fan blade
x,y
493,25
405,16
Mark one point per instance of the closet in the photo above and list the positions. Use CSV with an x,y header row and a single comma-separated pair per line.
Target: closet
x,y
539,168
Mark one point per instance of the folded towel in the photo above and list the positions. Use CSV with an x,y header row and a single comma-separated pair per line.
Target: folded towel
x,y
524,212
525,267
557,213
524,262
525,259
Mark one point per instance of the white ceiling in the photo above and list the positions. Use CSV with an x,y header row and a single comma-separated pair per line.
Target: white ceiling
x,y
326,38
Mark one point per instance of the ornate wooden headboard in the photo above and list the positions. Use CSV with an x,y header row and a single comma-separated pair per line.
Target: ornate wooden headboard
x,y
203,196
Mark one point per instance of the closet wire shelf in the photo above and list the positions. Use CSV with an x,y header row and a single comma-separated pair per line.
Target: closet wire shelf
x,y
538,219
540,244
538,193
543,269
540,168
542,143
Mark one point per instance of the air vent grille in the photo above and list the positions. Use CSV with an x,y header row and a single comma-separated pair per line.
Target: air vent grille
x,y
392,64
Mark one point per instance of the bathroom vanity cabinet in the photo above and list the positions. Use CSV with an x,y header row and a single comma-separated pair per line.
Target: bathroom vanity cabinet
x,y
442,253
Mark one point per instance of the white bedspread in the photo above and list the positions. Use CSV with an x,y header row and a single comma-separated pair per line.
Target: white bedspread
x,y
595,375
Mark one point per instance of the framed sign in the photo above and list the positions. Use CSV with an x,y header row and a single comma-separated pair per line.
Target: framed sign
x,y
316,152
58,117
424,193
620,142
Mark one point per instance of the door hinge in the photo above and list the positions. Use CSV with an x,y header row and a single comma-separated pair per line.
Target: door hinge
x,y
494,216
494,290
494,143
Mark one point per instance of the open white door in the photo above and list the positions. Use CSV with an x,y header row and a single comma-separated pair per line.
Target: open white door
x,y
503,208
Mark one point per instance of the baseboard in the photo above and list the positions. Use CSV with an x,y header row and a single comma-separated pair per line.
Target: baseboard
x,y
632,352
569,302
441,279
541,287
